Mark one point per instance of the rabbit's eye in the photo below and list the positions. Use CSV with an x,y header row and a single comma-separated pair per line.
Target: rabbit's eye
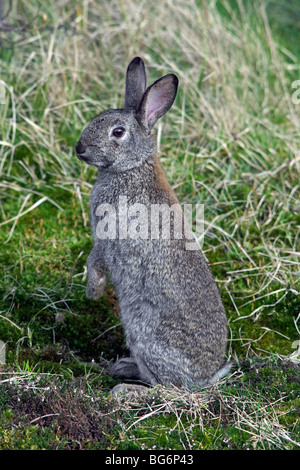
x,y
118,132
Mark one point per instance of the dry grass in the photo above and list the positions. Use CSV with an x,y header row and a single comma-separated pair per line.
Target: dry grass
x,y
258,417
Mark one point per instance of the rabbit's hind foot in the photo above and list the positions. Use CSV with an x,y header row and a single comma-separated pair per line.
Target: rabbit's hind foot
x,y
126,368
129,368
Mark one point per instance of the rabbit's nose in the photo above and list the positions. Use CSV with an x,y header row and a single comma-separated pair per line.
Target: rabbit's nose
x,y
80,148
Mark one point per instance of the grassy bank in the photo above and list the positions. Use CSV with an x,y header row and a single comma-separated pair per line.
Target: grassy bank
x,y
230,142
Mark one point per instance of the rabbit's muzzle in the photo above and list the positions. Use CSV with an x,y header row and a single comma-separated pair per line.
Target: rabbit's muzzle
x,y
80,149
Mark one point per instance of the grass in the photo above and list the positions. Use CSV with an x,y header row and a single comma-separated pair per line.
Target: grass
x,y
231,142
256,408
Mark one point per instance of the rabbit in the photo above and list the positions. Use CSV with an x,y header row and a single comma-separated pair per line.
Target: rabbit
x,y
171,310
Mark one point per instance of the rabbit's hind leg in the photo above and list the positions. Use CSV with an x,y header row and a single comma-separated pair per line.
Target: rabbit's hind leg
x,y
146,375
125,368
129,368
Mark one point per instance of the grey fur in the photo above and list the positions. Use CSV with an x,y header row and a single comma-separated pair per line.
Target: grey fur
x,y
170,306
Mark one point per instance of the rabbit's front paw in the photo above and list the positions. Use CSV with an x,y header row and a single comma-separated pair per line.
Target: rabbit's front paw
x,y
95,290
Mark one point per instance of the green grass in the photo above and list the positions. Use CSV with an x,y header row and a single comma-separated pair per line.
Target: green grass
x,y
231,142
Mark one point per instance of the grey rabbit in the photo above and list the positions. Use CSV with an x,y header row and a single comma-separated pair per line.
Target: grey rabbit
x,y
173,317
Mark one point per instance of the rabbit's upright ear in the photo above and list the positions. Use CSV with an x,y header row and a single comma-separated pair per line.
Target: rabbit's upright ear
x,y
157,100
135,84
